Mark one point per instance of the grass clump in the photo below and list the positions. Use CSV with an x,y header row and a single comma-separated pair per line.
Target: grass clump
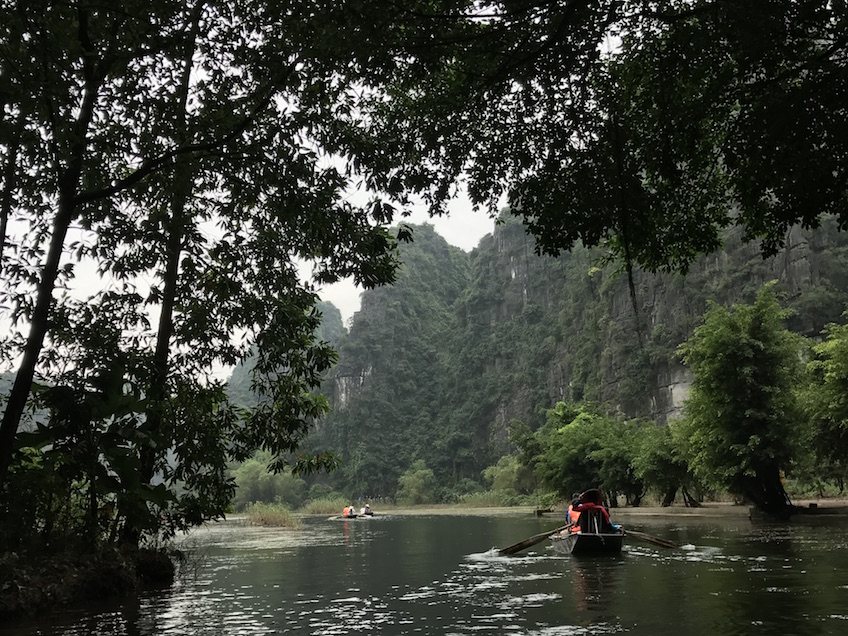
x,y
277,515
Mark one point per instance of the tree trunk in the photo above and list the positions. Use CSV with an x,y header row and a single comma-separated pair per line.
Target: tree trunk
x,y
10,179
158,389
174,230
767,492
68,182
689,500
37,331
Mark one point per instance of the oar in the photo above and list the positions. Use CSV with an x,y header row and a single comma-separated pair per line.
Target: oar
x,y
531,541
665,543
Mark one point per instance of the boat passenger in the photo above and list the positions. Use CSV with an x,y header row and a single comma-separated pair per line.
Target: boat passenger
x,y
594,500
573,515
367,510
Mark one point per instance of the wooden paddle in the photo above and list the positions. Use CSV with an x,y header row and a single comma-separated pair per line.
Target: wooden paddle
x,y
531,541
665,543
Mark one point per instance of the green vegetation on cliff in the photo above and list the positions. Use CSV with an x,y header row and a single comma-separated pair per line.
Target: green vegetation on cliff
x,y
440,372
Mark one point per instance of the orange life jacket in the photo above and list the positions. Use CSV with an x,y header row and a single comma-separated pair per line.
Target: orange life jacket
x,y
573,515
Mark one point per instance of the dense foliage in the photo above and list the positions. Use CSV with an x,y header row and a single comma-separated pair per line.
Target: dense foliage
x,y
584,449
166,168
646,127
193,154
826,404
389,370
255,483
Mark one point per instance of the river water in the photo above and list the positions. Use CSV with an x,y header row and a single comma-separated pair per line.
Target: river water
x,y
439,575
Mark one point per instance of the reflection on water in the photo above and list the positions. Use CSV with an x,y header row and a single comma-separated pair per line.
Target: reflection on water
x,y
414,575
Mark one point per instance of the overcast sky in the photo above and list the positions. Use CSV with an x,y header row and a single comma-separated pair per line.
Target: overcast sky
x,y
463,227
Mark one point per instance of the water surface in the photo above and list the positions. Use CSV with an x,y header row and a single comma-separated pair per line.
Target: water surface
x,y
440,575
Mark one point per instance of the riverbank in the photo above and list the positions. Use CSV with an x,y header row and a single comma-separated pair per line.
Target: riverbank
x,y
707,509
30,584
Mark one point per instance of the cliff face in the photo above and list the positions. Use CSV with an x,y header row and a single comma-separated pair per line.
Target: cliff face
x,y
811,273
437,366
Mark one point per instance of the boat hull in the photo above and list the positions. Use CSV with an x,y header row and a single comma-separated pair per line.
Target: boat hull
x,y
579,543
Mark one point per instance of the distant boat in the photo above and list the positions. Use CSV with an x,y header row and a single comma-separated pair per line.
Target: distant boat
x,y
352,514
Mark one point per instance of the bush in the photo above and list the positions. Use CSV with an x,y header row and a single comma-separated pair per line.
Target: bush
x,y
509,475
322,491
545,499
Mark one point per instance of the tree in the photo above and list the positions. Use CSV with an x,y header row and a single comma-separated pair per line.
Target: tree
x,y
510,476
417,485
587,449
193,152
645,127
743,408
255,483
826,404
388,385
661,464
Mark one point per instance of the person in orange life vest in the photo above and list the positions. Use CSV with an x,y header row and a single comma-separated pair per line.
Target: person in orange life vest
x,y
594,499
573,514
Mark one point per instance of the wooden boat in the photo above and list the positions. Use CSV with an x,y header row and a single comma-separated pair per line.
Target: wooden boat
x,y
588,542
592,534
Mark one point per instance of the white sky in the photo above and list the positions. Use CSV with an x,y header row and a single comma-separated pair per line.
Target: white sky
x,y
462,227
